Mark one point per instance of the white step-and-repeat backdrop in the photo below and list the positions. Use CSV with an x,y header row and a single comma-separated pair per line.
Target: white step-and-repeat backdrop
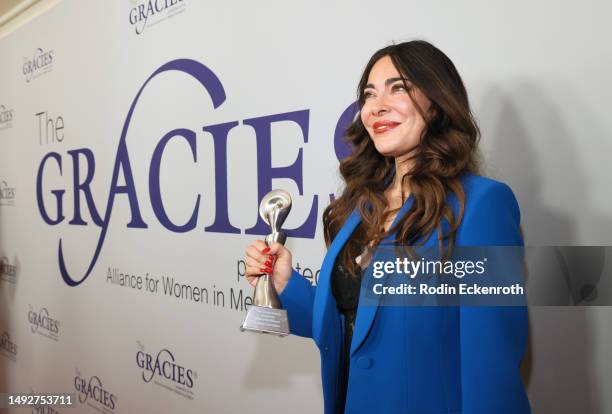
x,y
136,138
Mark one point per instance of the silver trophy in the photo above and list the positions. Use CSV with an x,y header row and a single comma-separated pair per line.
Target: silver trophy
x,y
266,315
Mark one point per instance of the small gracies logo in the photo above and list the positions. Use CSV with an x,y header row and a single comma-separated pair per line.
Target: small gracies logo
x,y
6,117
42,323
148,13
8,270
92,392
8,348
163,369
7,194
40,63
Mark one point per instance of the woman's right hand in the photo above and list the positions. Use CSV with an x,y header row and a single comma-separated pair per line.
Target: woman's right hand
x,y
274,260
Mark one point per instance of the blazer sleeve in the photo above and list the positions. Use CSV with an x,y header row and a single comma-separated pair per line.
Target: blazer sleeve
x,y
298,299
492,339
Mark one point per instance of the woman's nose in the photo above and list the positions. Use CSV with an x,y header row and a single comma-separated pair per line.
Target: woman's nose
x,y
379,106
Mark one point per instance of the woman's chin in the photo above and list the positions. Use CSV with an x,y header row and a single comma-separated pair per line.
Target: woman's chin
x,y
386,152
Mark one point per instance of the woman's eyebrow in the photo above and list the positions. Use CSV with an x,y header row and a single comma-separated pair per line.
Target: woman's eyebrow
x,y
387,82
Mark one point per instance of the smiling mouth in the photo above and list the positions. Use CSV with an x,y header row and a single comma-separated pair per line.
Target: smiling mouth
x,y
382,127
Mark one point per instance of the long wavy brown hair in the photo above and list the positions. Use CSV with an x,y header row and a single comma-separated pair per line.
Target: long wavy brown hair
x,y
447,149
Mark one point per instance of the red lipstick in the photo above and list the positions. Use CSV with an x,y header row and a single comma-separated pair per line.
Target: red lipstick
x,y
380,127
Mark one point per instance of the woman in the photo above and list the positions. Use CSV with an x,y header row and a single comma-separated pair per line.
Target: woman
x,y
411,178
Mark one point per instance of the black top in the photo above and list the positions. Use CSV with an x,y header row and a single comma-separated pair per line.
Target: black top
x,y
345,288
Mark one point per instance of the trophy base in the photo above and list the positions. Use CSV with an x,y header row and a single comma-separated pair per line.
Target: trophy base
x,y
266,320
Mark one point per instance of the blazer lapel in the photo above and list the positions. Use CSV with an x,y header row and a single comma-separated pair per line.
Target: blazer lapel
x,y
323,297
365,314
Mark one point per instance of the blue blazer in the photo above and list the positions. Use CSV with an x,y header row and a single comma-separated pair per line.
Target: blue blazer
x,y
422,360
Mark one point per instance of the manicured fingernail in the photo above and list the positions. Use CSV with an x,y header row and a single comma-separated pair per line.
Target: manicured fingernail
x,y
262,270
268,263
269,270
266,250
